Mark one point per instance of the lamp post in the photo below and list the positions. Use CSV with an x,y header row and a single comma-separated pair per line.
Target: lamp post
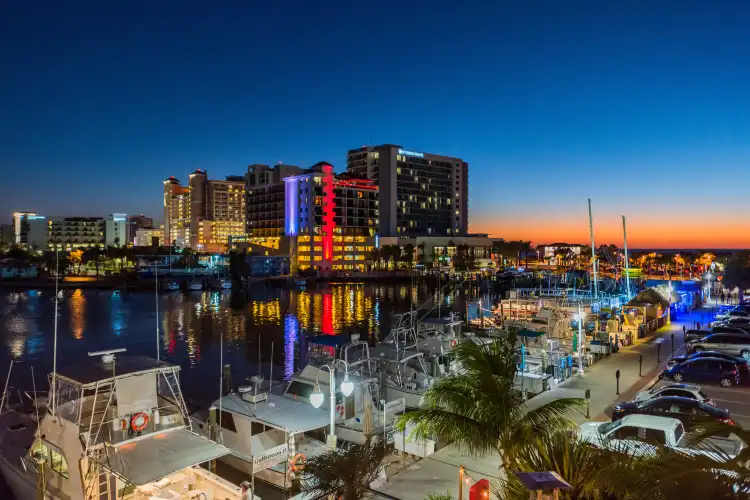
x,y
669,307
316,398
579,317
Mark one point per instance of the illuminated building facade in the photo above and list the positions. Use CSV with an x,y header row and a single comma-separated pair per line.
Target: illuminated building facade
x,y
116,230
30,229
421,194
331,220
266,209
71,233
205,213
145,237
136,222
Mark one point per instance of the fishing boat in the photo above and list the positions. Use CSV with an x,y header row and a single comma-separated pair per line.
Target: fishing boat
x,y
116,428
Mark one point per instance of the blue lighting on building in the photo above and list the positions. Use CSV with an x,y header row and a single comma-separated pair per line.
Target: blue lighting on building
x,y
291,214
410,153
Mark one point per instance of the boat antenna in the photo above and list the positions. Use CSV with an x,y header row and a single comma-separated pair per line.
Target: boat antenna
x,y
5,391
54,346
156,297
270,376
221,384
593,251
36,406
627,261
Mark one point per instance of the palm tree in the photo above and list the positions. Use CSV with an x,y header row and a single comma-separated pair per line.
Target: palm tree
x,y
604,474
345,474
480,409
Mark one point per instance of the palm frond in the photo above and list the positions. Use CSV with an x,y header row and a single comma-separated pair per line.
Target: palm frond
x,y
476,437
346,473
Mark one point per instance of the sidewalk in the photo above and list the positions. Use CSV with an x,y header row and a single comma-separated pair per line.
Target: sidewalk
x,y
600,378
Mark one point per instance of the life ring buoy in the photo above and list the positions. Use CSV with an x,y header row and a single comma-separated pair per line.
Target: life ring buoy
x,y
340,410
139,422
298,458
454,342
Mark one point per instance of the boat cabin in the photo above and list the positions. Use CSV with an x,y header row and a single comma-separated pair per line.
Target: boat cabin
x,y
115,428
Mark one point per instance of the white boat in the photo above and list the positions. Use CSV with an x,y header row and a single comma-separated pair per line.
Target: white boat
x,y
226,284
272,432
172,286
118,429
195,285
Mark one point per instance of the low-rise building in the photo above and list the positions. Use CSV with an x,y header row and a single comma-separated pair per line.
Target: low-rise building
x,y
70,233
30,230
116,230
147,237
440,251
136,222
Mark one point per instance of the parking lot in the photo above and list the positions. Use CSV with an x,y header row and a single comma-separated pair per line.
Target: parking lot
x,y
735,399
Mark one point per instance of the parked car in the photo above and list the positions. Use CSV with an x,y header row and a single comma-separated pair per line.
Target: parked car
x,y
729,343
741,362
696,334
681,390
714,370
736,313
643,435
690,412
722,328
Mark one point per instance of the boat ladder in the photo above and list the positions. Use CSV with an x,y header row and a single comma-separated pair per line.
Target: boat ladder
x,y
173,382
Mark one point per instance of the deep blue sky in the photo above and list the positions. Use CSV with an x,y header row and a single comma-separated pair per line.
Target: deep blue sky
x,y
642,105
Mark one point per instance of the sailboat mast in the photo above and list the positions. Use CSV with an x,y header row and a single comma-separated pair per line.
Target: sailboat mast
x,y
54,344
156,298
627,261
593,251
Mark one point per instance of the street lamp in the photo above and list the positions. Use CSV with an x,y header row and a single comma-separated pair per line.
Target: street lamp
x,y
579,317
669,308
316,398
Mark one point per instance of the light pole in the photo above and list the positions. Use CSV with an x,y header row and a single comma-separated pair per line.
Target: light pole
x,y
316,398
669,307
579,317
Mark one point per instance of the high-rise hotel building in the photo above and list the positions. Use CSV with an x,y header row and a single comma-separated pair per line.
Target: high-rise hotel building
x,y
204,214
331,220
421,194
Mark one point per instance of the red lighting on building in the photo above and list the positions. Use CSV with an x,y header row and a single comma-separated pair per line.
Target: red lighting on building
x,y
328,205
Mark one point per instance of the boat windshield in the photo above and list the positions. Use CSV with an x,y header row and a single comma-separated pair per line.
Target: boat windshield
x,y
606,428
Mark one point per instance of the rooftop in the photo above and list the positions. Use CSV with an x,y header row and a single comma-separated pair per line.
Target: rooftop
x,y
95,370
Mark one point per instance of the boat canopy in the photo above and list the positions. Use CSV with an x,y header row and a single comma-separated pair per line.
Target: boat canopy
x,y
95,370
530,334
146,460
281,413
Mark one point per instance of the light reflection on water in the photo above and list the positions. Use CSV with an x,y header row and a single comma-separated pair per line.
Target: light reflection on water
x,y
191,326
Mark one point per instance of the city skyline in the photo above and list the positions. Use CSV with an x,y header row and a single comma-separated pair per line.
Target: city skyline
x,y
104,103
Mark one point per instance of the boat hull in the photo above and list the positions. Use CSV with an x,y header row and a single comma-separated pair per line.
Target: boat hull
x,y
21,484
413,398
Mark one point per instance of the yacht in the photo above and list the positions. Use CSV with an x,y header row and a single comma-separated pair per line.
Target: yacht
x,y
115,429
271,432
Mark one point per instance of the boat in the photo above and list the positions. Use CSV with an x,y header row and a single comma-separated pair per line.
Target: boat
x,y
225,284
172,286
195,284
117,428
270,432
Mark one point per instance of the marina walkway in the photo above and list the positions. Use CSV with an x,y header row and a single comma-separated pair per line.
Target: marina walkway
x,y
439,472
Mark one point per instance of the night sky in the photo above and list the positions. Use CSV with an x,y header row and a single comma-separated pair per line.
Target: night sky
x,y
644,106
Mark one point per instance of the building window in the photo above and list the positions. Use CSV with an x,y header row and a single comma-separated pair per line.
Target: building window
x,y
227,421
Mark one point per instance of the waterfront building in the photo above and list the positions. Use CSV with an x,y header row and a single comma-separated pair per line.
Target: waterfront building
x,y
147,237
421,194
331,220
30,230
439,251
136,222
205,213
116,230
264,186
71,233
